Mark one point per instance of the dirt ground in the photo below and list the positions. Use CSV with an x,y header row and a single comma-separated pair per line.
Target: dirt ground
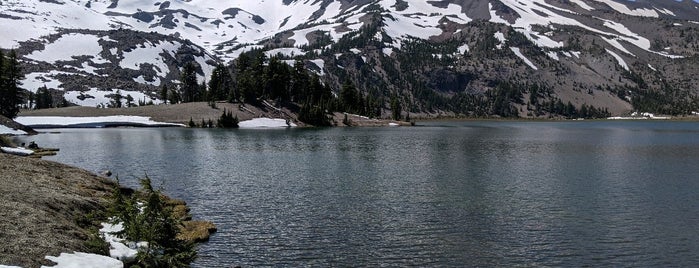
x,y
41,203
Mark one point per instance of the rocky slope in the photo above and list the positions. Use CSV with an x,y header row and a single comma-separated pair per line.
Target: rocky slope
x,y
437,56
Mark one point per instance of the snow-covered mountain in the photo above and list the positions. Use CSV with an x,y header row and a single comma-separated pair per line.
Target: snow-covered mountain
x,y
585,51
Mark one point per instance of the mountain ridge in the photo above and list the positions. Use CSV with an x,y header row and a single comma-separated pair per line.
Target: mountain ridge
x,y
590,52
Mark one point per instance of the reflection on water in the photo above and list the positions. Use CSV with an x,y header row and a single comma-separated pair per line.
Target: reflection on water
x,y
443,194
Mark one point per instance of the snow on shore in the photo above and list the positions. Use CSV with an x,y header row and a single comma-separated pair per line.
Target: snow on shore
x,y
117,249
82,260
16,151
7,130
265,123
93,122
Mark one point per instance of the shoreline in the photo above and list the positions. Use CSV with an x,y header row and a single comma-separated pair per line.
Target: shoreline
x,y
49,208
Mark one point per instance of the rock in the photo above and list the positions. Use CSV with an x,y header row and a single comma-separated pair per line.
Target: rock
x,y
106,173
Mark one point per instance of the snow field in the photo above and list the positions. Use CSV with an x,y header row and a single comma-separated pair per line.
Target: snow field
x,y
99,97
68,46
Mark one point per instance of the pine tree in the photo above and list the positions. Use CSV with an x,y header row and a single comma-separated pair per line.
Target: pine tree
x,y
44,99
221,84
396,109
189,87
10,75
153,222
163,93
227,120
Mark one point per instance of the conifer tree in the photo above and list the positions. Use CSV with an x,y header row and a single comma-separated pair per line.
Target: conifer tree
x,y
10,75
221,84
189,87
164,93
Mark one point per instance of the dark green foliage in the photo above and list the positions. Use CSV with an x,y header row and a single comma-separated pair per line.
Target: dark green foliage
x,y
115,102
668,101
129,100
227,120
189,87
191,123
164,93
44,99
10,94
314,114
151,221
221,84
346,121
350,99
396,109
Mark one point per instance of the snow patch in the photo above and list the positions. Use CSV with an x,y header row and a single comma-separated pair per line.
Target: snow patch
x,y
117,249
463,49
321,64
68,46
149,53
286,52
521,56
387,51
95,122
500,37
618,59
10,131
582,5
16,151
266,123
553,55
615,43
83,260
96,97
33,81
621,8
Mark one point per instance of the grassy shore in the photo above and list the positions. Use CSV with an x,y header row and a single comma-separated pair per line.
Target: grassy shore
x,y
49,208
44,206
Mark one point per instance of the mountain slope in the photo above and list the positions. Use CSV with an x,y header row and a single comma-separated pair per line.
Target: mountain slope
x,y
453,56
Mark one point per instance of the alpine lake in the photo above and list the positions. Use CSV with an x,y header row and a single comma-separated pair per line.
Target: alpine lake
x,y
441,194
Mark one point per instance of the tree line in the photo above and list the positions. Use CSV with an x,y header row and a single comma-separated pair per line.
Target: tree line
x,y
254,77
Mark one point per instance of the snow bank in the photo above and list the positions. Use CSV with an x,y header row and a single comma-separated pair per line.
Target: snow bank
x,y
265,123
16,151
7,130
117,249
83,260
91,122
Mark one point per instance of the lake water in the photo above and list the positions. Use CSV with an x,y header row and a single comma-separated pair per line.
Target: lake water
x,y
442,194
